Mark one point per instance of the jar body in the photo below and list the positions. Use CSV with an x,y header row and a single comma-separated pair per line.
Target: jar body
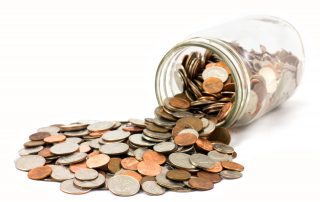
x,y
265,56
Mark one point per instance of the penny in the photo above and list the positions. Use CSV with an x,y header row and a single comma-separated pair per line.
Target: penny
x,y
201,161
220,135
73,127
96,134
114,148
200,183
39,136
224,112
69,188
45,152
190,122
181,160
84,148
34,143
133,174
223,148
77,166
98,161
216,168
115,135
229,165
61,173
178,175
132,129
148,168
90,184
78,133
39,173
71,158
123,185
213,177
212,85
164,147
179,103
138,122
218,157
230,174
152,188
204,144
129,163
86,174
156,157
26,163
54,138
114,165
102,125
185,139
29,151
64,148
216,72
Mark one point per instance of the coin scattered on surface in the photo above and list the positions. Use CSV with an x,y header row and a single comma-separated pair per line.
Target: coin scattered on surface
x,y
152,188
98,161
39,173
90,184
229,174
64,148
26,163
69,188
200,183
123,185
178,175
86,174
149,168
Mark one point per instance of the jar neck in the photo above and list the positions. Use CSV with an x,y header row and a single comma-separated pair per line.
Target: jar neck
x,y
227,54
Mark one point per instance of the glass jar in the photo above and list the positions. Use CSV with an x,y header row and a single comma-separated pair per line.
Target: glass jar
x,y
264,55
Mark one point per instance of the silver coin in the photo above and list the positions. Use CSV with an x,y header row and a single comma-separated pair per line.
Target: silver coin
x,y
217,72
157,135
114,148
53,130
64,148
223,148
73,127
136,139
182,114
150,139
164,123
152,188
205,122
270,78
61,173
115,135
68,187
78,133
29,151
181,160
165,147
189,130
218,157
72,158
76,140
208,130
229,174
163,181
86,174
90,184
26,163
185,149
108,176
116,125
102,125
201,161
138,153
123,185
94,144
138,122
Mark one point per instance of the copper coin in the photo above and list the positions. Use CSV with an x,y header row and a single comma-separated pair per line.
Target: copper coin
x,y
156,157
132,129
54,138
224,112
178,175
213,177
204,144
179,103
185,139
200,183
45,153
216,168
190,122
84,148
98,161
178,128
39,136
96,133
229,165
129,163
78,166
149,168
220,135
114,165
212,85
39,173
147,178
133,174
32,143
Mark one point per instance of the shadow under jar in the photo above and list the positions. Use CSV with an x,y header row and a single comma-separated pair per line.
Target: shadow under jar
x,y
257,60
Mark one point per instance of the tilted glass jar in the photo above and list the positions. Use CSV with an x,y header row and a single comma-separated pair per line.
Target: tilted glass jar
x,y
265,55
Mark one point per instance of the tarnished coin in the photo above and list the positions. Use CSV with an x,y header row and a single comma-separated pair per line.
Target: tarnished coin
x,y
183,114
190,122
45,152
200,183
114,148
224,112
86,174
217,72
102,125
53,130
114,165
179,103
78,133
229,165
26,163
61,173
220,135
156,157
54,138
64,148
98,160
115,135
216,168
123,185
212,85
155,128
148,168
73,127
164,147
223,148
156,135
178,175
33,143
230,174
204,144
181,160
213,177
138,122
39,136
39,173
152,188
90,184
29,151
130,163
163,181
69,188
72,158
218,157
136,139
201,161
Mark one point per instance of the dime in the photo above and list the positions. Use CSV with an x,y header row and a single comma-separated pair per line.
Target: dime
x,y
218,157
164,147
123,185
212,85
178,175
86,174
230,174
61,173
39,136
149,168
156,157
98,126
114,148
98,161
129,163
29,151
115,135
64,148
90,184
181,160
223,148
179,103
152,188
72,158
26,163
213,177
229,165
39,173
200,183
114,165
69,188
201,161
54,138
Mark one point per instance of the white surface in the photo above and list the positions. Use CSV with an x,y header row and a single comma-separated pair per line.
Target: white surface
x,y
61,61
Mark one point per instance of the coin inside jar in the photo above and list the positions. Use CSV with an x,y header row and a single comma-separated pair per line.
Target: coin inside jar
x,y
212,85
179,103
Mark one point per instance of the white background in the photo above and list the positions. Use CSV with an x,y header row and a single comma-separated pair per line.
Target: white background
x,y
61,61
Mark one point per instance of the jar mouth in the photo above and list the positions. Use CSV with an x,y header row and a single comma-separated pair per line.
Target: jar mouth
x,y
166,87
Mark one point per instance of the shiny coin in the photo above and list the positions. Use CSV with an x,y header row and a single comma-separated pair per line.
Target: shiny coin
x,y
54,138
33,143
178,175
73,127
152,188
103,125
230,174
115,135
31,150
69,188
179,103
200,183
78,133
98,160
201,161
223,148
114,165
218,157
213,177
136,139
61,173
114,148
64,148
181,160
130,163
39,173
164,147
212,85
215,71
156,157
229,165
86,174
138,122
39,136
123,185
148,168
72,158
90,184
26,163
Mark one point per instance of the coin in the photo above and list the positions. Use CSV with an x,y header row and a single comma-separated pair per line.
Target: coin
x,y
147,178
39,136
102,125
77,166
133,174
179,103
155,128
152,188
98,160
138,122
230,174
61,173
123,185
90,184
29,151
156,157
114,165
178,175
72,158
156,135
39,173
33,143
26,163
115,135
216,72
76,140
212,85
185,139
54,138
163,181
218,157
114,148
216,168
64,148
213,177
220,135
136,139
73,127
223,148
200,183
68,187
201,161
190,122
53,130
204,144
45,152
181,160
229,165
129,163
86,174
164,147
148,168
224,112
77,133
